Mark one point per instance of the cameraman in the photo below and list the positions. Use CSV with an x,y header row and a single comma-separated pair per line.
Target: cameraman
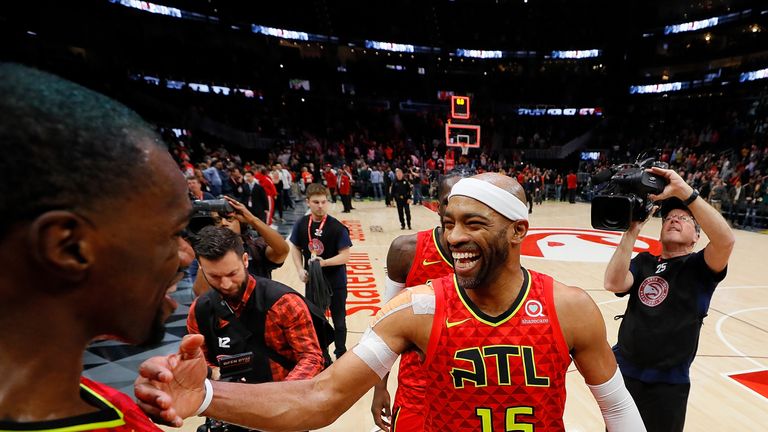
x,y
267,250
669,296
243,314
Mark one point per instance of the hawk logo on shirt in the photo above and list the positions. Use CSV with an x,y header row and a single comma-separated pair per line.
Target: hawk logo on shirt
x,y
316,247
653,291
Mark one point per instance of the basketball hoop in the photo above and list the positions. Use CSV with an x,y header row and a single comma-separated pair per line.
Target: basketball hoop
x,y
464,149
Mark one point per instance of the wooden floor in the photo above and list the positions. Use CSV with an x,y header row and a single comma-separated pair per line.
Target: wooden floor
x,y
734,337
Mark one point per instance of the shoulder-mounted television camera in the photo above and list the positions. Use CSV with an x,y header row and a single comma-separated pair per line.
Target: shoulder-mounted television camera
x,y
624,197
202,213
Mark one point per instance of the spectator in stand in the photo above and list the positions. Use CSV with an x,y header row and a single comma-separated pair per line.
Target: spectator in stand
x,y
718,195
254,197
415,179
530,189
235,183
377,180
330,182
389,178
269,189
201,178
212,177
286,180
559,196
345,188
572,185
196,192
317,172
753,201
738,201
274,175
306,179
363,179
223,175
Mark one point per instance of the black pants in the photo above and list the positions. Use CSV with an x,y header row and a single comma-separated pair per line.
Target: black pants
x,y
402,205
529,198
332,191
287,200
279,204
347,201
662,406
571,196
339,318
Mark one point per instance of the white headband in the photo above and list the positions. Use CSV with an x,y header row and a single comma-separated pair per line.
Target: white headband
x,y
493,196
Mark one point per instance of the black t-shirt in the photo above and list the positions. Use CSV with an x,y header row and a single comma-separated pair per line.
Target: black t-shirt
x,y
327,244
667,305
258,263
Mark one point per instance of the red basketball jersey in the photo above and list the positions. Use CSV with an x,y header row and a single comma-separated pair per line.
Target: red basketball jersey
x,y
496,373
430,262
131,417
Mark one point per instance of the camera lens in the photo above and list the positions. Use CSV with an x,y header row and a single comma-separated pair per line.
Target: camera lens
x,y
612,213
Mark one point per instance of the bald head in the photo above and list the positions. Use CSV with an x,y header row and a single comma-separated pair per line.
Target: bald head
x,y
498,192
502,181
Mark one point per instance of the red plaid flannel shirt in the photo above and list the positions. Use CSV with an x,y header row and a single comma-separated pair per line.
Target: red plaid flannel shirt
x,y
288,330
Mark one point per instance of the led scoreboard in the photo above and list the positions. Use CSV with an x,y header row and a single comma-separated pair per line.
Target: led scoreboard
x,y
460,107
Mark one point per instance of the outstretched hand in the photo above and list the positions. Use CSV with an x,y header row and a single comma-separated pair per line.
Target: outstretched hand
x,y
171,388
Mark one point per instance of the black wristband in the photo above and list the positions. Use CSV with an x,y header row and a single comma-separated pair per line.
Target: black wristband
x,y
692,198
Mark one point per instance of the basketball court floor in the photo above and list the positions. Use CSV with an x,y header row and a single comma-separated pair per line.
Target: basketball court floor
x,y
729,376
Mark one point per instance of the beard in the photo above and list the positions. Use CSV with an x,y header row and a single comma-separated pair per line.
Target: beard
x,y
493,258
240,291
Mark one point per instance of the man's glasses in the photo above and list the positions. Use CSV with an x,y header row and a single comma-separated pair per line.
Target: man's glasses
x,y
681,218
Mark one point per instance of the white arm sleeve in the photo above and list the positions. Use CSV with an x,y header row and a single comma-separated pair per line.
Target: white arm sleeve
x,y
617,406
375,353
391,289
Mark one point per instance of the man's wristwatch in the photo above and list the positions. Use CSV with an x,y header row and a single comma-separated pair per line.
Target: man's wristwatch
x,y
692,198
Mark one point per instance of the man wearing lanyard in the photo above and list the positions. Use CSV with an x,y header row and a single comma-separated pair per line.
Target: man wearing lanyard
x,y
318,236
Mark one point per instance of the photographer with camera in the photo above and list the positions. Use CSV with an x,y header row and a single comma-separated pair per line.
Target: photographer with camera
x,y
266,248
669,298
256,330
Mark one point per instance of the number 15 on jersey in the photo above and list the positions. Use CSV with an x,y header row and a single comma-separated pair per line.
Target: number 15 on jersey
x,y
510,419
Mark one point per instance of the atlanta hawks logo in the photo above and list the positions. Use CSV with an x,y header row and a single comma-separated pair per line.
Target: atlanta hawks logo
x,y
316,247
579,244
653,291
